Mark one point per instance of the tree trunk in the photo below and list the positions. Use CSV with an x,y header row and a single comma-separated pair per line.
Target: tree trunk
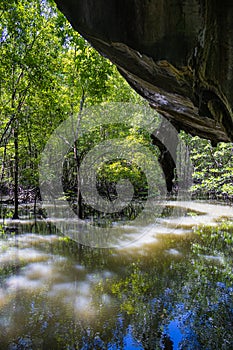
x,y
16,171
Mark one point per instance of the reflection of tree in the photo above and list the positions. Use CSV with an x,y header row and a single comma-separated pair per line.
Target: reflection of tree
x,y
196,291
138,295
209,290
146,298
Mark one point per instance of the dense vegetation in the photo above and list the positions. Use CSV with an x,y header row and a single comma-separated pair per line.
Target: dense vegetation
x,y
48,73
213,169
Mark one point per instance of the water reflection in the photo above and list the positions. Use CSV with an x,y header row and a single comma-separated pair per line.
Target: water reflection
x,y
170,292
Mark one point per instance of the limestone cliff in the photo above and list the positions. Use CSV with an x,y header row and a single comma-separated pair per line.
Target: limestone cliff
x,y
178,54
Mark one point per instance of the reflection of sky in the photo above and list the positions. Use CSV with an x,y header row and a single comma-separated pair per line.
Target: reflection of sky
x,y
130,343
70,281
179,330
174,333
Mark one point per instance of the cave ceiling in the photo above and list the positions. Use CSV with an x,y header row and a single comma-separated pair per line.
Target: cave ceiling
x,y
177,54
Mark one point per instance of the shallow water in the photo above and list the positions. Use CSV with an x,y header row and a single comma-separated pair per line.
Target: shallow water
x,y
166,290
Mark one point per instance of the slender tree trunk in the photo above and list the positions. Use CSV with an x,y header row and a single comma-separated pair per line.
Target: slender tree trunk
x,y
78,160
16,172
79,197
3,163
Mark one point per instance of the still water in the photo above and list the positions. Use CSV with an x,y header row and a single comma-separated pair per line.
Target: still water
x,y
172,288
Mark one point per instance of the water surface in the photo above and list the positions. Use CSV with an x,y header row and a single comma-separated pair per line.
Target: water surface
x,y
170,289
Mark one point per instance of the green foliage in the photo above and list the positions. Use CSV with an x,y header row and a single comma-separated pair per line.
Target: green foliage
x,y
30,60
213,168
47,70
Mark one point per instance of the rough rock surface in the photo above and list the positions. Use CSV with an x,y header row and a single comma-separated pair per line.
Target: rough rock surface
x,y
178,54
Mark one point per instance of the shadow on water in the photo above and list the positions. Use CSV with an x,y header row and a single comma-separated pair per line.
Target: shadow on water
x,y
172,289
